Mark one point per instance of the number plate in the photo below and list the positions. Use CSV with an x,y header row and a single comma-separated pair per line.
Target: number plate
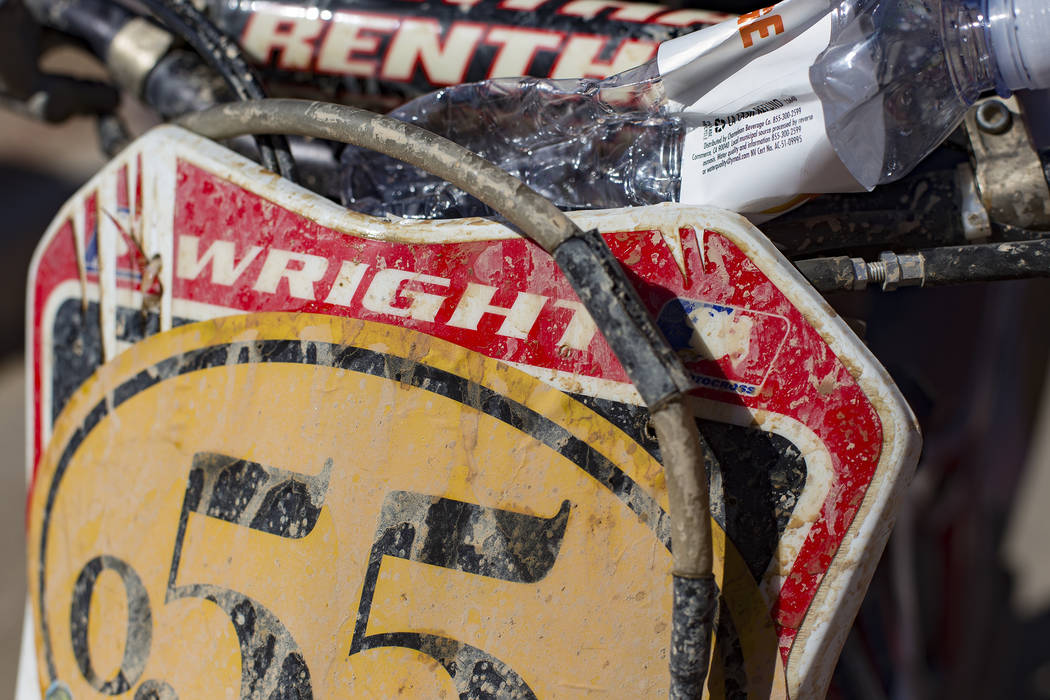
x,y
282,448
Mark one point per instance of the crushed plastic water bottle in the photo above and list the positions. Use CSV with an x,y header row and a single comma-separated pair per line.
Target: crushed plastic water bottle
x,y
582,144
755,114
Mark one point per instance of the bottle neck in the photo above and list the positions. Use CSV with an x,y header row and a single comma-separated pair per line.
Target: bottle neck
x,y
1017,33
968,49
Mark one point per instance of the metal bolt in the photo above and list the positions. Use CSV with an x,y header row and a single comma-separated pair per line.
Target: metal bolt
x,y
58,691
993,117
912,270
876,272
860,274
890,270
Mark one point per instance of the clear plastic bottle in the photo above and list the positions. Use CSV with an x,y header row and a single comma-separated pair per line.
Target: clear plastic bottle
x,y
583,144
915,68
888,81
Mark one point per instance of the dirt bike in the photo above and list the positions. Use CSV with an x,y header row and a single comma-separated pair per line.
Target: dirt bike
x,y
284,447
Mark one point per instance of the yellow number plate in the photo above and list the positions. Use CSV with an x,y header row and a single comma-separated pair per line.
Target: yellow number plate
x,y
322,508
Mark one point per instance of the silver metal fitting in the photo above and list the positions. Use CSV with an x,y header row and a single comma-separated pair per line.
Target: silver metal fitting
x,y
860,274
912,269
134,51
887,271
1007,169
993,117
890,270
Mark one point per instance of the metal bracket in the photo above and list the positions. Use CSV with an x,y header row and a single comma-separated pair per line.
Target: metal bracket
x,y
1009,174
975,222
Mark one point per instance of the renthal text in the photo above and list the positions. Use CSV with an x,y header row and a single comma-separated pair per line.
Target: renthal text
x,y
391,47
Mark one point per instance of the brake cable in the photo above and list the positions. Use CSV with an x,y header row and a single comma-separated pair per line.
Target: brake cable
x,y
599,281
227,59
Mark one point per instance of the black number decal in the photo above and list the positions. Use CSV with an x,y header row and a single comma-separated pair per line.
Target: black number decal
x,y
155,690
465,537
267,499
140,625
270,500
499,544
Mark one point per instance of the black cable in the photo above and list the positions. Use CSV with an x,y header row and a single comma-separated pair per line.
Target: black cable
x,y
832,274
988,262
98,21
226,58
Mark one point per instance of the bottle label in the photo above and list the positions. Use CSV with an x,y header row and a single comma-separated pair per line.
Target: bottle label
x,y
756,141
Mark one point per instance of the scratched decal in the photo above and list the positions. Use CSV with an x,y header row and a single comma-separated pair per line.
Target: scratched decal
x,y
795,441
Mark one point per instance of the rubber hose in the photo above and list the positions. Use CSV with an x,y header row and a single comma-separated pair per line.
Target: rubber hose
x,y
537,218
